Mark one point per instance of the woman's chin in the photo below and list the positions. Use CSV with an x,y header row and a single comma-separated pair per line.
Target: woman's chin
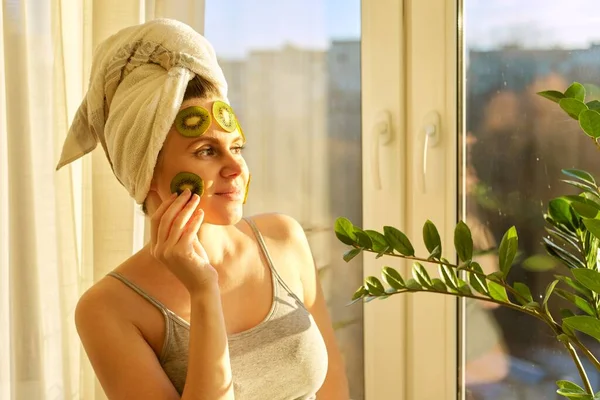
x,y
225,216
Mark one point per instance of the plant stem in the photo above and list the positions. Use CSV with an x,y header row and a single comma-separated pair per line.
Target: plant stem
x,y
490,300
582,374
439,262
586,352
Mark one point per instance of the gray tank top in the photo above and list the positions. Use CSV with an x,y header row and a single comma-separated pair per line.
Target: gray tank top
x,y
282,358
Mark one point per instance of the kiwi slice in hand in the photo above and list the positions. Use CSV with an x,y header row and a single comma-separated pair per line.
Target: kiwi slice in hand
x,y
187,180
192,121
247,187
224,116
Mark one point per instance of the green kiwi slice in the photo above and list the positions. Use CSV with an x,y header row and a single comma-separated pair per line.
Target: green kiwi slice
x,y
187,180
247,187
192,121
224,116
242,133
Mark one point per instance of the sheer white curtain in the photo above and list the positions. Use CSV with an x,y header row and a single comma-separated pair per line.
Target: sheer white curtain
x,y
59,231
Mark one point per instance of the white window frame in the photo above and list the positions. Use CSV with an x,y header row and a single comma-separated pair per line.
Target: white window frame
x,y
409,68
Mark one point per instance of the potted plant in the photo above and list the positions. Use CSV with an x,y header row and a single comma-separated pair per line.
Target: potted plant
x,y
573,226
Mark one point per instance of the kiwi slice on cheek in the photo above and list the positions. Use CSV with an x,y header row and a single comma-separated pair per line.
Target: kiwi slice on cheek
x,y
247,188
192,121
187,180
224,116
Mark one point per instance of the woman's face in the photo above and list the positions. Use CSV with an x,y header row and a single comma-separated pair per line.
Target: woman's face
x,y
216,157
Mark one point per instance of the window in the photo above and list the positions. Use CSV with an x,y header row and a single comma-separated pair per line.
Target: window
x,y
294,83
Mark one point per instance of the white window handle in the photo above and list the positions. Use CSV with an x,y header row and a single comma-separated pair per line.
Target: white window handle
x,y
381,136
431,137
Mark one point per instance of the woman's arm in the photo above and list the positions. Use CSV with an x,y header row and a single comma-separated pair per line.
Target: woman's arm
x,y
128,368
209,370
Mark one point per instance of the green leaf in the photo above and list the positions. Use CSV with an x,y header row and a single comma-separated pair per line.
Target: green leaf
x,y
432,239
463,242
362,238
380,244
583,323
420,274
438,285
549,290
398,241
435,254
392,278
579,302
566,313
524,291
557,251
497,292
589,120
560,210
413,284
508,250
350,254
573,107
464,288
592,196
588,278
592,225
534,306
581,175
449,277
580,185
478,282
361,292
344,230
495,277
584,291
374,286
567,238
586,210
576,91
573,395
553,95
570,386
539,263
593,105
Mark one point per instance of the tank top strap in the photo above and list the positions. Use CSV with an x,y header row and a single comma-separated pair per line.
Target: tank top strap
x,y
267,255
140,291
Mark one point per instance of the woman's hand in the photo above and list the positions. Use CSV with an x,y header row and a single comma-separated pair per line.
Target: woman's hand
x,y
174,242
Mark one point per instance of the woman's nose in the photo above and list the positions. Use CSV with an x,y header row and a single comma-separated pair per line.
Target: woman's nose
x,y
233,167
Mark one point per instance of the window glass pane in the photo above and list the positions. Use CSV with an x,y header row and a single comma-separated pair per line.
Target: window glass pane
x,y
293,69
517,143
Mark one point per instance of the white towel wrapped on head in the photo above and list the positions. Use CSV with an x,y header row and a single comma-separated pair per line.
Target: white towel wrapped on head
x,y
138,79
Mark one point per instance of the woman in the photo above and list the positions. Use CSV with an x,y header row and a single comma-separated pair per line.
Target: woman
x,y
214,306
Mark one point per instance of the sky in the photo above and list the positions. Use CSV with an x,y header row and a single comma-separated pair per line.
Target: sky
x,y
237,26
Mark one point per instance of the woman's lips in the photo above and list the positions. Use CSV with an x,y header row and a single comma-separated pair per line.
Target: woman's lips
x,y
231,195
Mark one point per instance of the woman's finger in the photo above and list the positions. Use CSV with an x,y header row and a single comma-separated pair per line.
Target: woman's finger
x,y
190,234
181,220
166,220
154,202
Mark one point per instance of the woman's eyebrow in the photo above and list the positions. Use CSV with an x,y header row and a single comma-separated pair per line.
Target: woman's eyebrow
x,y
210,139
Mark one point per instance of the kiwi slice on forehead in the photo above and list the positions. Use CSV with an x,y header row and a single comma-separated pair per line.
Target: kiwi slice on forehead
x,y
192,121
223,114
187,180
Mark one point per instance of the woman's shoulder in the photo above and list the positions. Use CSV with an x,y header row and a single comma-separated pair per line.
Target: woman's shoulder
x,y
279,227
286,240
107,294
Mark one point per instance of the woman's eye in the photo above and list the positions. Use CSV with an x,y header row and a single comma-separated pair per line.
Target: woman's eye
x,y
205,152
238,149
